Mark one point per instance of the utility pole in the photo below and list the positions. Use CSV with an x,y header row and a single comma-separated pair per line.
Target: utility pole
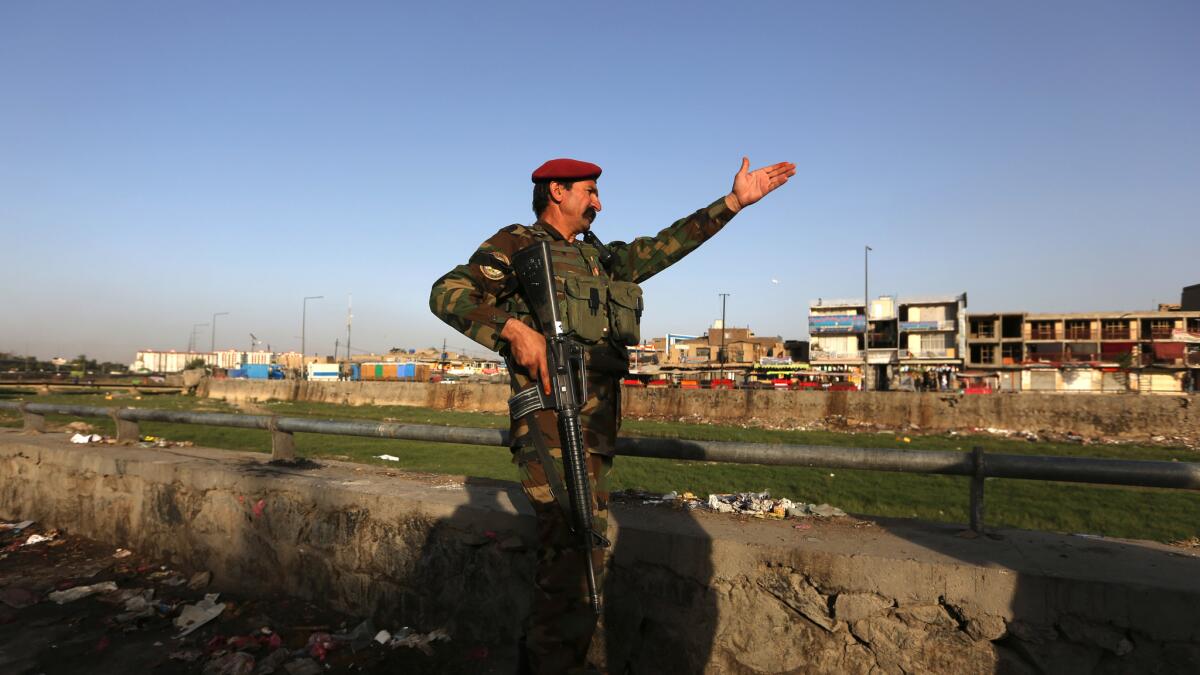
x,y
866,319
304,325
721,354
212,346
349,320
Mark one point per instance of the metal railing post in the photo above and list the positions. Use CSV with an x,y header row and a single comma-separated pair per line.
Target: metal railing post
x,y
127,430
32,422
283,443
977,479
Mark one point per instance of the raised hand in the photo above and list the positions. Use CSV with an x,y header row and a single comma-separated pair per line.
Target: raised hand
x,y
751,186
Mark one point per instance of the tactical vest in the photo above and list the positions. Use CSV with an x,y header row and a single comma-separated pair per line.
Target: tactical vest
x,y
599,310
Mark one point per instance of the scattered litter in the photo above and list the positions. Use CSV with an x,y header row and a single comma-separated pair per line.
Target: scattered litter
x,y
258,508
319,645
195,616
122,553
420,641
199,580
39,538
234,663
15,528
78,592
382,637
760,504
84,439
359,638
390,458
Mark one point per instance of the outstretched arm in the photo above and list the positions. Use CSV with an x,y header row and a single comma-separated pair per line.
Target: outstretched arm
x,y
751,186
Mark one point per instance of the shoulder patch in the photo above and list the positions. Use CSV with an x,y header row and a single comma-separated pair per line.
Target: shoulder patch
x,y
491,272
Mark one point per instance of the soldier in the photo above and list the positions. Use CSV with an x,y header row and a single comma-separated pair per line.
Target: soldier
x,y
603,303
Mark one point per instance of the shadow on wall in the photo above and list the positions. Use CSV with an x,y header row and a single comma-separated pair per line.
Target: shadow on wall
x,y
660,616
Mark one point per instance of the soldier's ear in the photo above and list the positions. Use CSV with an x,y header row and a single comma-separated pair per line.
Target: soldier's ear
x,y
556,191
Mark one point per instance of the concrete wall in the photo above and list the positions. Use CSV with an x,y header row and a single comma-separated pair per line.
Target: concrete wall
x,y
687,592
1086,414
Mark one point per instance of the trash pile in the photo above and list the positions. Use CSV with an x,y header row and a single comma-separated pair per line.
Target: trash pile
x,y
113,611
756,504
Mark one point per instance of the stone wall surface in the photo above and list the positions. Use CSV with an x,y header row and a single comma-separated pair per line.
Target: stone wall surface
x,y
1113,415
687,592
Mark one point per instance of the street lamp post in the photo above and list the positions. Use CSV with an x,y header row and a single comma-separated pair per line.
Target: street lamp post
x,y
212,346
721,354
304,324
866,318
192,339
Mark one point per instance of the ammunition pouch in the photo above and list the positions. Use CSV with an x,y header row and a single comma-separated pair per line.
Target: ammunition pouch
x,y
597,309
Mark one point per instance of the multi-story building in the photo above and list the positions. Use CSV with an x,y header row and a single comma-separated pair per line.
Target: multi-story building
x,y
903,338
172,361
742,348
1144,351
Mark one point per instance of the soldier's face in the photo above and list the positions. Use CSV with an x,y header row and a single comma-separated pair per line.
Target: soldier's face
x,y
581,204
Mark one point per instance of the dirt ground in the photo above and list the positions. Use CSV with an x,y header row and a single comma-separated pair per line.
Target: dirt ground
x,y
132,629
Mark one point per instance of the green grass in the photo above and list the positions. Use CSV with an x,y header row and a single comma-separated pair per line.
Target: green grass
x,y
1162,515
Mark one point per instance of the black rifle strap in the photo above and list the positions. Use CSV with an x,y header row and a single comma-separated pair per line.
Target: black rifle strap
x,y
549,467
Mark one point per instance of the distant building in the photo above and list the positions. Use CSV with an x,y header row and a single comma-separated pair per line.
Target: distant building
x,y
1147,351
742,348
900,340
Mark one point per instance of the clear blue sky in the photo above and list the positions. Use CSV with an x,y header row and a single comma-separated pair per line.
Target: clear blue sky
x,y
160,162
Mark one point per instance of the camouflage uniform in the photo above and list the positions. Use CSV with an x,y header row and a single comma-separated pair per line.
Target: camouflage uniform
x,y
477,299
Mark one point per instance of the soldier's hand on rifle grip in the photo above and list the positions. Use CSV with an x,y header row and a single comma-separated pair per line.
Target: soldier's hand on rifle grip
x,y
528,349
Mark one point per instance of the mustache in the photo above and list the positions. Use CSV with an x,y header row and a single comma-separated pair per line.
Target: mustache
x,y
590,214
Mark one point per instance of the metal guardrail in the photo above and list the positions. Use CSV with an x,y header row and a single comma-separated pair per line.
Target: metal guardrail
x,y
976,464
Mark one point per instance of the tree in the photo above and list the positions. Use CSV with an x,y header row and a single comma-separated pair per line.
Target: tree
x,y
195,364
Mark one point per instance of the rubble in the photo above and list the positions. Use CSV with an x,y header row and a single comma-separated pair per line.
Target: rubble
x,y
114,621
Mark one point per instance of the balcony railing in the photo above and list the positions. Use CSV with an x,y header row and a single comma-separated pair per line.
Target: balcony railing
x,y
1115,334
822,355
926,326
1159,333
930,354
1043,334
836,323
1079,334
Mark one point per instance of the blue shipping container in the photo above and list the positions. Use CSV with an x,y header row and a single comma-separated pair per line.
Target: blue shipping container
x,y
235,372
355,372
408,370
257,371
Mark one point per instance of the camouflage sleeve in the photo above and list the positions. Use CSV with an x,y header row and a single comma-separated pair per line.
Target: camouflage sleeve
x,y
644,257
467,296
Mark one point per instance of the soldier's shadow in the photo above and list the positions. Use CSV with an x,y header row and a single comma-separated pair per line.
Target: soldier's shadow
x,y
660,612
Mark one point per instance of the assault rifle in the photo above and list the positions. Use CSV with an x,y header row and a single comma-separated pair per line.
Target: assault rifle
x,y
568,392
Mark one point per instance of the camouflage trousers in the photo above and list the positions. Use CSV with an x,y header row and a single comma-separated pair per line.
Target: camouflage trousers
x,y
561,622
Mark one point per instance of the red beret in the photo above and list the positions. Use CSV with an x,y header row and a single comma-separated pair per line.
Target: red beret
x,y
566,169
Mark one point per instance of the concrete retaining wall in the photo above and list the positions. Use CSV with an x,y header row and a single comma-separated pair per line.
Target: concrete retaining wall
x,y
1086,414
687,592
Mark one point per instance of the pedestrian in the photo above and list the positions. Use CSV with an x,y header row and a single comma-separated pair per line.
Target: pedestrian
x,y
482,300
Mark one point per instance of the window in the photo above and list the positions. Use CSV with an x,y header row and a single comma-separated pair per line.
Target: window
x,y
1114,329
1041,330
983,353
983,328
1079,330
